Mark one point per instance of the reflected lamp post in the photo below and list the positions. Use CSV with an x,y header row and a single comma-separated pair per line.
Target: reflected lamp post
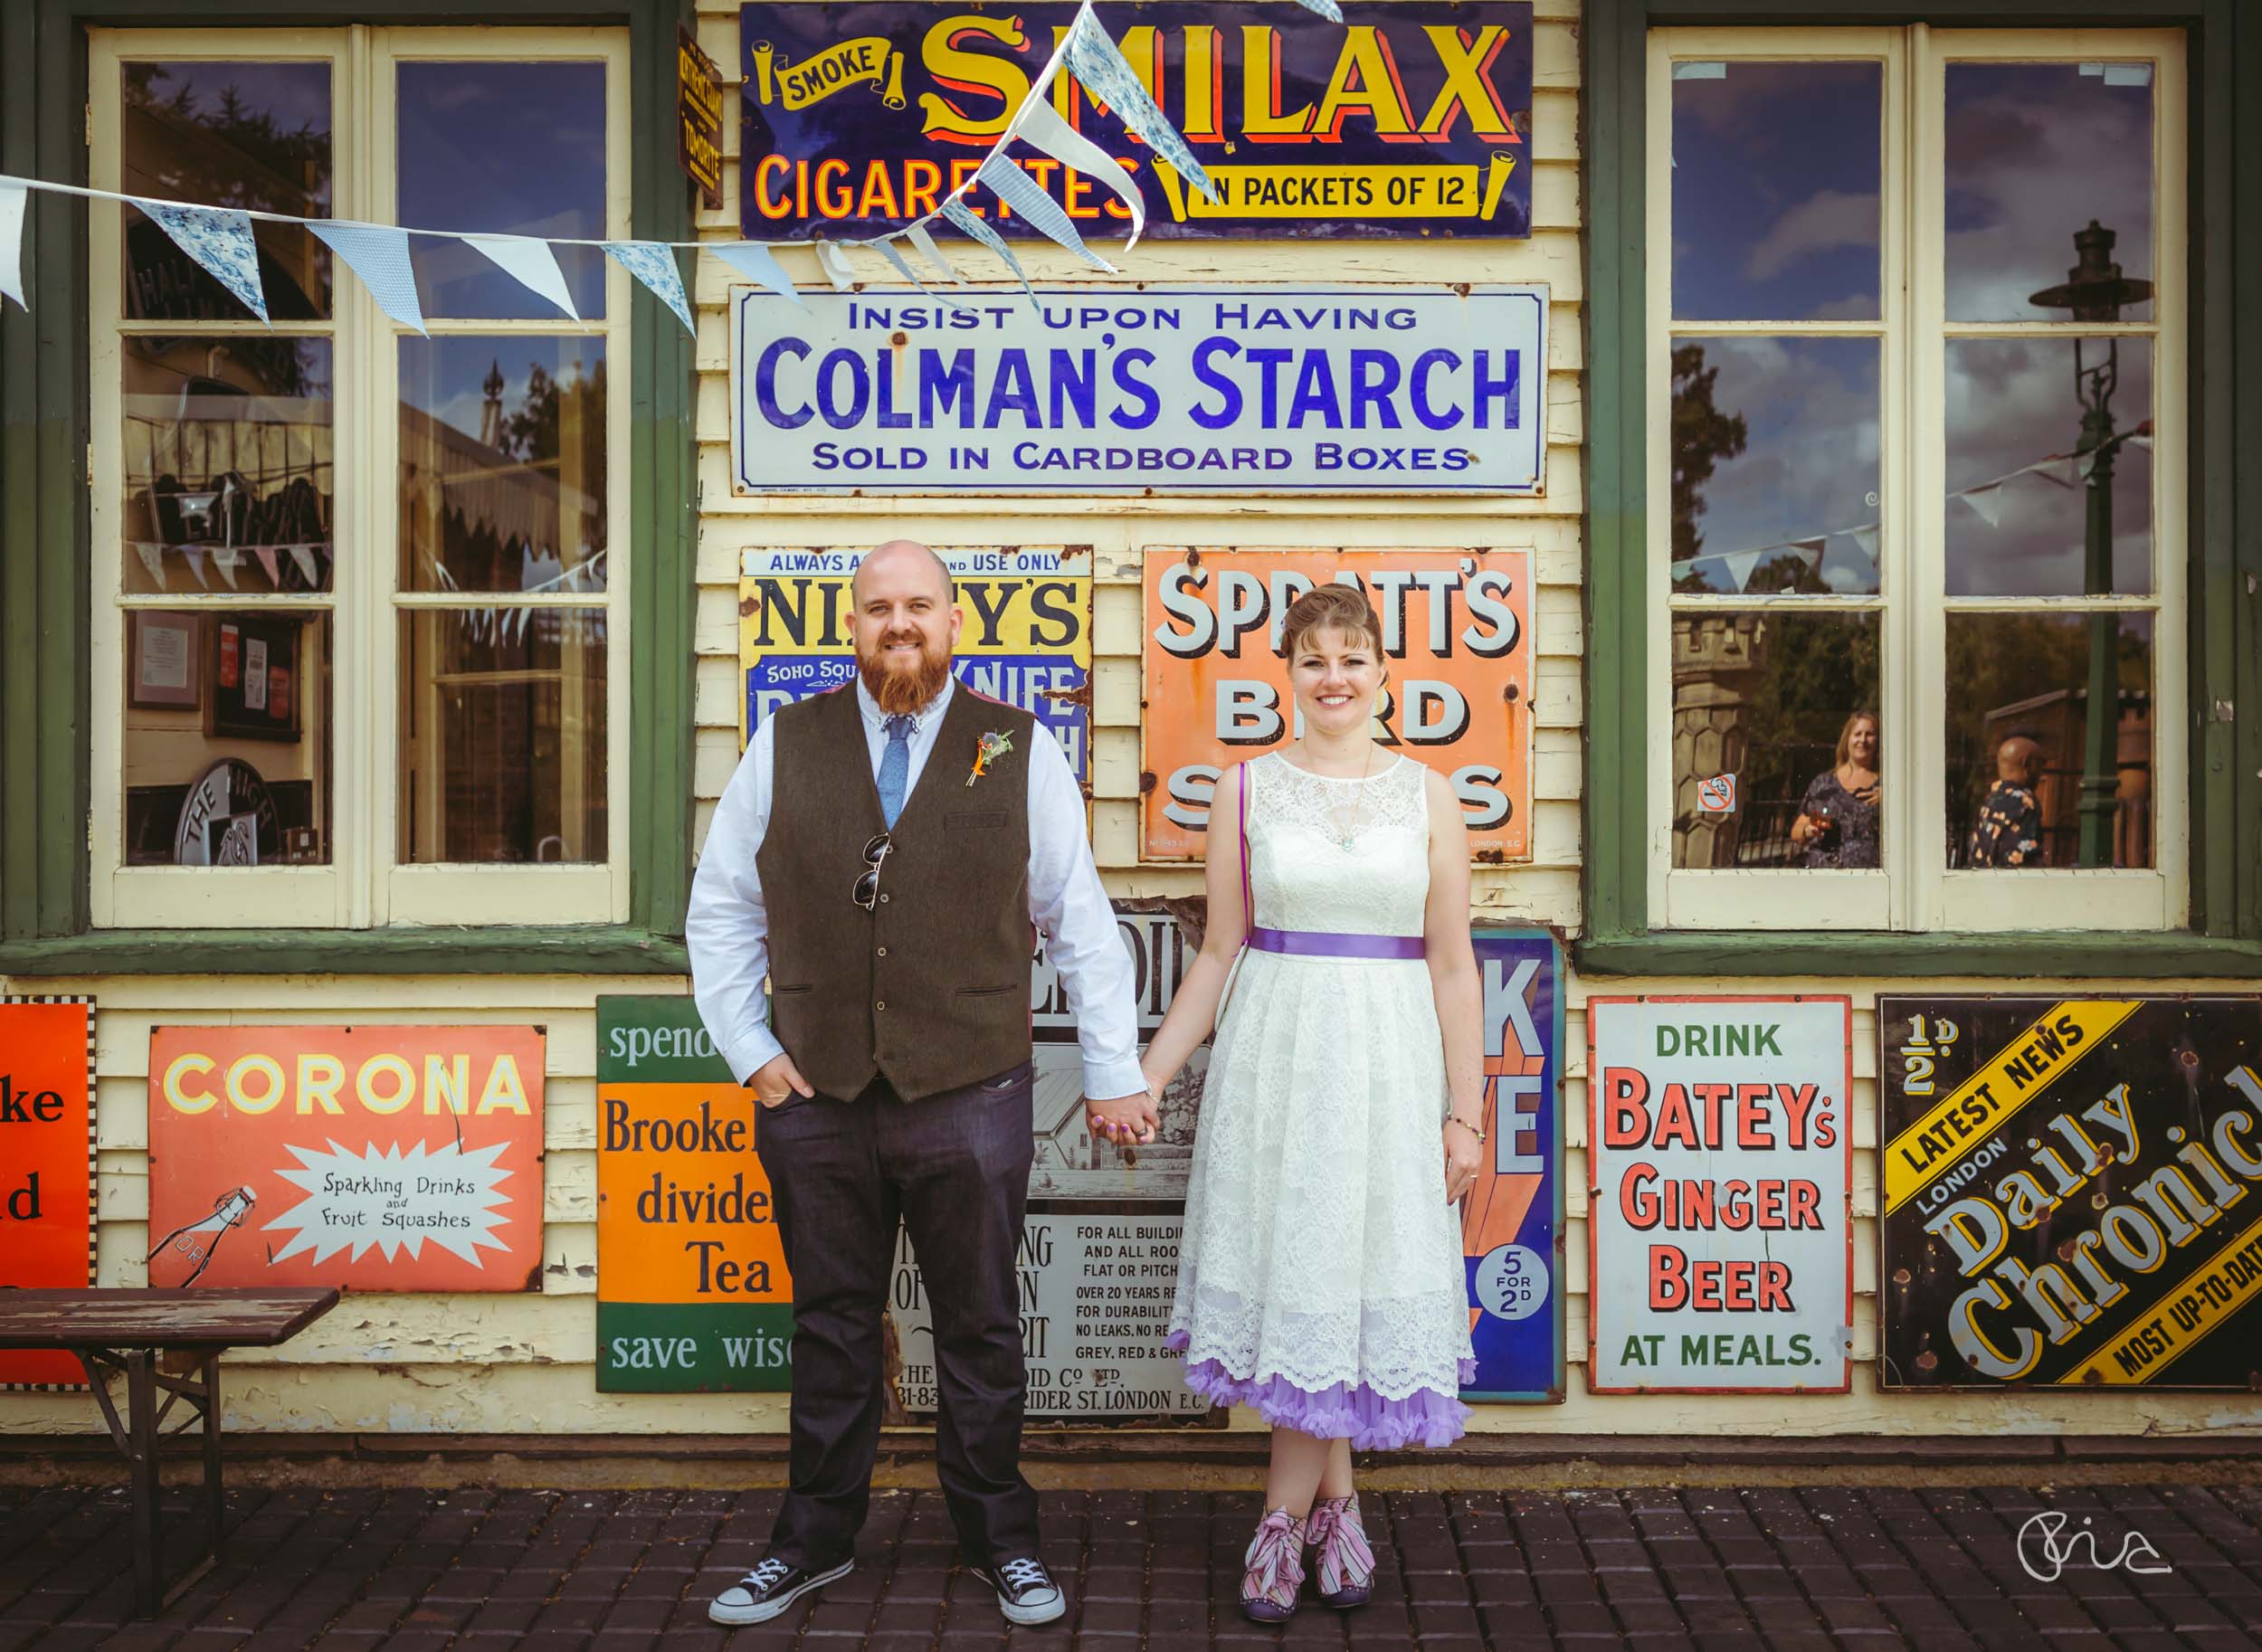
x,y
2095,289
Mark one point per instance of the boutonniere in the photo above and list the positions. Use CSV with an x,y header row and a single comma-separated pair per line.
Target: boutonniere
x,y
991,747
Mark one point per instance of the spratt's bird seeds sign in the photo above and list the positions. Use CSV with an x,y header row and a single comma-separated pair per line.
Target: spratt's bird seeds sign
x,y
1408,119
1720,1222
1397,389
2072,1191
692,1290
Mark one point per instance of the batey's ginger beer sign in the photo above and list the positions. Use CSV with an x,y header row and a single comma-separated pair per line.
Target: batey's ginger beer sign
x,y
692,1291
379,1158
1410,118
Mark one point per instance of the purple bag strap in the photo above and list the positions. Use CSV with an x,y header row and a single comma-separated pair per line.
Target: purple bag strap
x,y
1248,901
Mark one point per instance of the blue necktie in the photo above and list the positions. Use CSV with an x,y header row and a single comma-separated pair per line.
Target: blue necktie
x,y
895,768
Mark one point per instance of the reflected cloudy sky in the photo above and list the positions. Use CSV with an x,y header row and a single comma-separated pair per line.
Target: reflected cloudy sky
x,y
1775,213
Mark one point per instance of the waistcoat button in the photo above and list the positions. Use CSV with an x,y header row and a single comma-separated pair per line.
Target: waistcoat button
x,y
881,1005
883,951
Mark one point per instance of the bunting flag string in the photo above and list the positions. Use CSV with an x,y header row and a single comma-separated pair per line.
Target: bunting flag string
x,y
220,239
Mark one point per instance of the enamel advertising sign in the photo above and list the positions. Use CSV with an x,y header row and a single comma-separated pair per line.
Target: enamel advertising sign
x,y
1411,118
1512,1220
2069,1190
1720,1161
1456,629
368,1158
47,1164
1027,639
693,1295
1367,390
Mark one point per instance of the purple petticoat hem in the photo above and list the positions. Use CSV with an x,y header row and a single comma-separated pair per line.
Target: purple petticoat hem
x,y
1339,1411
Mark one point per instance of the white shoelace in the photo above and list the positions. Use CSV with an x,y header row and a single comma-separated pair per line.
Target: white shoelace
x,y
1024,1575
765,1574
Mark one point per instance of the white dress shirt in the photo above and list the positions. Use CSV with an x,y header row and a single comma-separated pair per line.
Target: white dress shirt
x,y
727,926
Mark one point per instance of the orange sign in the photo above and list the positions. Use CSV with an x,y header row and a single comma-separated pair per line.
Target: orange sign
x,y
46,1161
1457,633
370,1158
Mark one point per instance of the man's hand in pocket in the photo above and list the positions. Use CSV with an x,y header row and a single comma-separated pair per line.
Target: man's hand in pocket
x,y
777,1080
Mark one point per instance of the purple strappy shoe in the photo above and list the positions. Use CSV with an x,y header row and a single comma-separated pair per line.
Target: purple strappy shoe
x,y
1276,1568
1344,1567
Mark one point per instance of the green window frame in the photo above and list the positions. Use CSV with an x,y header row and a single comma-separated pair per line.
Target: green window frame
x,y
46,746
2224,610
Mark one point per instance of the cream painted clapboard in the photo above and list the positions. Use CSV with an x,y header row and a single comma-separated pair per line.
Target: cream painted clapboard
x,y
490,1365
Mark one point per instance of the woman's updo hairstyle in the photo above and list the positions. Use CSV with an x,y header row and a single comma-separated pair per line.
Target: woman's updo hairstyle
x,y
1342,608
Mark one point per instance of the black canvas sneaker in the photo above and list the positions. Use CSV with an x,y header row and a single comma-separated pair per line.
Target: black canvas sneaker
x,y
1026,1592
770,1587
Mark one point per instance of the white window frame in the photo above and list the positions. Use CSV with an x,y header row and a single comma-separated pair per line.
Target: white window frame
x,y
1913,890
364,886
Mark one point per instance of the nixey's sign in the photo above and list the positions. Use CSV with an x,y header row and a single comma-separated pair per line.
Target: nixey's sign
x,y
1083,390
2071,1190
1408,119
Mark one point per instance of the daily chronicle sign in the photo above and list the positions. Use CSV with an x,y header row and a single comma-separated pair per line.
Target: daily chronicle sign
x,y
1082,390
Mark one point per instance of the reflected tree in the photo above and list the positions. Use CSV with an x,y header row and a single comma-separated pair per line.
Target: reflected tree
x,y
1703,436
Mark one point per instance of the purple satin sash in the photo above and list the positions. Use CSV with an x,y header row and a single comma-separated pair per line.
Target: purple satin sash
x,y
1326,944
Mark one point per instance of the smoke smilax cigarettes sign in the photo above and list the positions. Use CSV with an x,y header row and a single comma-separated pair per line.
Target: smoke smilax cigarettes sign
x,y
692,1291
1720,1215
369,1158
46,1162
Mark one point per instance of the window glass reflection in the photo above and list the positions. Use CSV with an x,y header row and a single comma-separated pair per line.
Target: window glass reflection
x,y
503,735
1775,183
254,135
503,484
2023,763
2034,152
1775,465
230,467
512,147
227,737
1773,726
2049,467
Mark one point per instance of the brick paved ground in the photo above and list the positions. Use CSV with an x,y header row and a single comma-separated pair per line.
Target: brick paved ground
x,y
1826,1569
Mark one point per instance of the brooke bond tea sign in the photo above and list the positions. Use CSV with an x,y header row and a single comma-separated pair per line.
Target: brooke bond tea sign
x,y
2070,1190
1720,1215
369,1158
1163,389
1409,118
46,1164
1456,626
692,1290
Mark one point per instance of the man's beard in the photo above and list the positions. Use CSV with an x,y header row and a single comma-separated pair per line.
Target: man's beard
x,y
904,693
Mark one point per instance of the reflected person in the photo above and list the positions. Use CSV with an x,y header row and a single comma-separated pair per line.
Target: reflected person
x,y
2008,832
1837,825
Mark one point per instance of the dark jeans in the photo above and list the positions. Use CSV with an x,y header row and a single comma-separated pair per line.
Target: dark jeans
x,y
955,1167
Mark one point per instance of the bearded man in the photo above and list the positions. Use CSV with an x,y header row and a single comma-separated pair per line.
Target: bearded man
x,y
881,854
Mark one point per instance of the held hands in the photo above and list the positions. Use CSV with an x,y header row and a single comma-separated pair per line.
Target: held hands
x,y
777,1080
1127,1121
1464,1157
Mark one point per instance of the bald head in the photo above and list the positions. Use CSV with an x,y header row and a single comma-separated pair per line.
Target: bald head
x,y
900,562
2019,760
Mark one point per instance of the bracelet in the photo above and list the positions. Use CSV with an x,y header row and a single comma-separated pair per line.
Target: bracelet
x,y
1475,1130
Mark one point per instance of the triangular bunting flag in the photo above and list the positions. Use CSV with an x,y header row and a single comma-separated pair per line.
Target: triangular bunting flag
x,y
919,237
1093,59
1325,8
1810,550
152,562
972,226
225,559
195,560
269,565
303,556
1986,503
1042,126
220,240
530,264
1865,538
11,200
837,268
655,266
1023,193
1739,564
752,260
378,254
888,252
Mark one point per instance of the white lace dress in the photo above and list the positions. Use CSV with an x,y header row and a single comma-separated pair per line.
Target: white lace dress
x,y
1320,1275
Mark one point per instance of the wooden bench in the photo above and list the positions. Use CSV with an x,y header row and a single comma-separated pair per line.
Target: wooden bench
x,y
124,1331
